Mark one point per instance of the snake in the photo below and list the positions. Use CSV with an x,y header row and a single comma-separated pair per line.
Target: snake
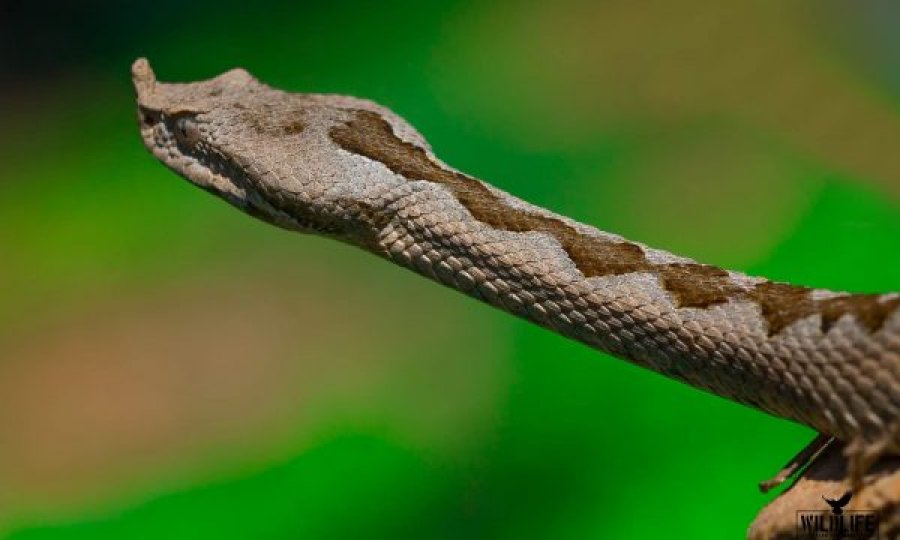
x,y
350,169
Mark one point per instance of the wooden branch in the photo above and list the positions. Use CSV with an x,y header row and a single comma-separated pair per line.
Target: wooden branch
x,y
826,477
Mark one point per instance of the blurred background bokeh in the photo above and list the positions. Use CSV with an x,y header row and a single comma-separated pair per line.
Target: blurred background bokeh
x,y
171,368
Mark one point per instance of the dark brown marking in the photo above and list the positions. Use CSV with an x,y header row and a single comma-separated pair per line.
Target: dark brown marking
x,y
292,128
691,285
262,122
865,307
697,285
782,304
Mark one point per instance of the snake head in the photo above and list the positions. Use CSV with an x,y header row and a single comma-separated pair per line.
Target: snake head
x,y
177,123
264,150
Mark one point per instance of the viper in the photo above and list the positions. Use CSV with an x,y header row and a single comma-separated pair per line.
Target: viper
x,y
354,171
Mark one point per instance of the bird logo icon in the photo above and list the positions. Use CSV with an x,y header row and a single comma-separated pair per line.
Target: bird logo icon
x,y
837,505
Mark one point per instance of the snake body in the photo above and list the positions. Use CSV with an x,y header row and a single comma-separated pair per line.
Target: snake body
x,y
352,170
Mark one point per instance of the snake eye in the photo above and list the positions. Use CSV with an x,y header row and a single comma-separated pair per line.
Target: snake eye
x,y
187,131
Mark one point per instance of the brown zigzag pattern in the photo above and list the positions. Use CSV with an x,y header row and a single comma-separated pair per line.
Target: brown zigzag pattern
x,y
691,285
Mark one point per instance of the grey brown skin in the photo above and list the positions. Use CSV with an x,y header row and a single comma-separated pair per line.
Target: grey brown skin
x,y
353,170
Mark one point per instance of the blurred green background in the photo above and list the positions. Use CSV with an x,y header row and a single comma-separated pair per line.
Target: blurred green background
x,y
171,368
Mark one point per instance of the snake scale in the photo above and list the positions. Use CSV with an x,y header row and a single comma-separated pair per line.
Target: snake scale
x,y
352,170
